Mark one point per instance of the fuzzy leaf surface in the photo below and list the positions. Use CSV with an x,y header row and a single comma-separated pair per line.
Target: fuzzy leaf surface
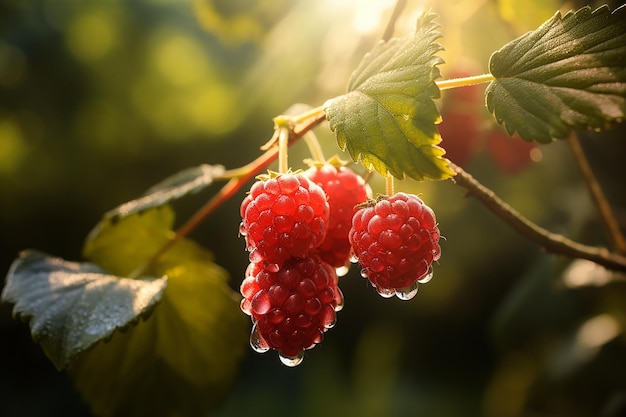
x,y
387,119
182,359
190,180
569,74
71,306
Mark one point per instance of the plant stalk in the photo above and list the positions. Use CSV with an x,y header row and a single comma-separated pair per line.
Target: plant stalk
x,y
390,185
283,144
314,147
610,222
391,24
465,81
550,242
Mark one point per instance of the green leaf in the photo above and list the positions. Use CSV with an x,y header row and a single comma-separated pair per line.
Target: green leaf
x,y
123,245
568,74
71,306
387,119
183,359
190,180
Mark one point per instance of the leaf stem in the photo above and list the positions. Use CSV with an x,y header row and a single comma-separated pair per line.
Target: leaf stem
x,y
598,196
465,81
550,242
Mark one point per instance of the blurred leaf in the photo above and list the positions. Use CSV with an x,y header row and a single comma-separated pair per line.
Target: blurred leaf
x,y
190,180
568,74
532,310
387,119
239,20
71,306
183,359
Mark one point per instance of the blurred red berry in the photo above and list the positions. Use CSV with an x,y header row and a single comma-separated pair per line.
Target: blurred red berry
x,y
511,154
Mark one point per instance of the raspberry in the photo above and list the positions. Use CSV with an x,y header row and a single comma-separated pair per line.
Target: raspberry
x,y
344,190
396,240
284,216
292,307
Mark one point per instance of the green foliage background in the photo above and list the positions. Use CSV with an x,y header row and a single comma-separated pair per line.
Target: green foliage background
x,y
100,100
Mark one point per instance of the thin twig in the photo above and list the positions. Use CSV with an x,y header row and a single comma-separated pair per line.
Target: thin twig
x,y
609,220
550,242
391,24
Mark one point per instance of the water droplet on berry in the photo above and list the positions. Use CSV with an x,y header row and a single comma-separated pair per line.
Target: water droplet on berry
x,y
242,229
426,277
291,361
327,317
364,272
255,256
407,293
342,270
245,306
353,258
386,292
339,300
261,302
257,342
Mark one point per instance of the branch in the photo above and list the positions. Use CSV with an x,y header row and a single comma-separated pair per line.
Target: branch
x,y
550,242
610,223
391,25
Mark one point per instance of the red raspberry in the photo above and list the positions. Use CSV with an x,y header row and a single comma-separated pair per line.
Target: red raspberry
x,y
291,308
284,216
396,241
344,190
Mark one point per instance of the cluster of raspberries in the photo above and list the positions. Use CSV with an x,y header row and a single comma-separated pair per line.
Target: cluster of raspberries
x,y
303,229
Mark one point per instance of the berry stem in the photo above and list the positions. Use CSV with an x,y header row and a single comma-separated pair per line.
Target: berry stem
x,y
389,185
597,195
314,113
551,242
314,146
464,81
239,177
283,145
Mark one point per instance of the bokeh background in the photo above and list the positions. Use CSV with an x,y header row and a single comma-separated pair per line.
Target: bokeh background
x,y
100,100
